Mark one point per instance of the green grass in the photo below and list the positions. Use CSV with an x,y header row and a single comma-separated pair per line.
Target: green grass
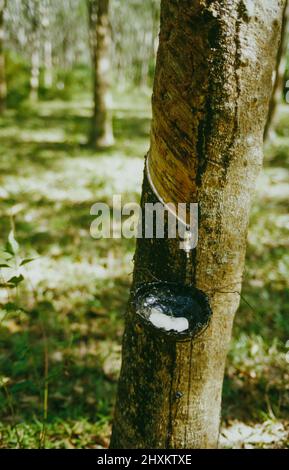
x,y
75,290
257,379
60,340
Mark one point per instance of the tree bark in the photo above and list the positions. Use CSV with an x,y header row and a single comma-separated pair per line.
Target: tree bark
x,y
48,74
34,77
35,58
211,93
279,79
47,46
102,130
3,86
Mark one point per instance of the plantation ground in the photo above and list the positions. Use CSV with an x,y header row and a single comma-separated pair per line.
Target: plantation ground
x,y
61,328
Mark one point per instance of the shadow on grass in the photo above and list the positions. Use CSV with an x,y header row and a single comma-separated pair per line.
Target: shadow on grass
x,y
82,350
76,291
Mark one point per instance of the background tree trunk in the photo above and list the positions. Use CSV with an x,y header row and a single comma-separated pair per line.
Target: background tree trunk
x,y
34,74
210,101
102,130
35,58
47,46
3,86
279,79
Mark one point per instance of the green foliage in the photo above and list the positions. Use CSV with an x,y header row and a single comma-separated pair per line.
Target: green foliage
x,y
17,77
66,84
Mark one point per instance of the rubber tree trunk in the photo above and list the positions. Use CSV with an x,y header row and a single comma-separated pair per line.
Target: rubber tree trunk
x,y
48,73
210,100
3,86
47,46
102,130
35,64
279,76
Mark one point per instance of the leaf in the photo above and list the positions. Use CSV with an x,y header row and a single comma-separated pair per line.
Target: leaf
x,y
3,314
5,266
5,255
15,280
4,381
12,244
26,261
11,307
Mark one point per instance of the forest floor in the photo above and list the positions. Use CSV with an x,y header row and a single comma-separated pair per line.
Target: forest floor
x,y
61,327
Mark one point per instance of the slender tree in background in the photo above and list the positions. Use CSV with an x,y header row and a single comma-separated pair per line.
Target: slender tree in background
x,y
3,86
210,101
280,71
47,45
134,29
32,13
100,39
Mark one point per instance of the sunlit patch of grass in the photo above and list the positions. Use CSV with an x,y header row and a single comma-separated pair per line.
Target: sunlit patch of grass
x,y
59,434
271,434
256,382
256,385
76,288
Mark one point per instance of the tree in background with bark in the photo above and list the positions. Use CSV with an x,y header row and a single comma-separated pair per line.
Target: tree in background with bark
x,y
279,75
100,40
3,86
134,60
47,44
209,114
32,15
